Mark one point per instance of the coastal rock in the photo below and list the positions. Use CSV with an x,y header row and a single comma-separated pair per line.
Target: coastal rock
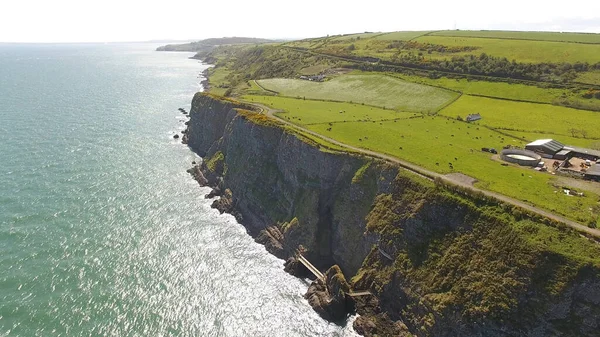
x,y
328,298
272,238
197,174
381,325
216,192
225,203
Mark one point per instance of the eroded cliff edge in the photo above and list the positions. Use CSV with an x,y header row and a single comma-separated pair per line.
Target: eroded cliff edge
x,y
440,261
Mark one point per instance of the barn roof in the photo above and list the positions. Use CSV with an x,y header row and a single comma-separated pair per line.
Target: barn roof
x,y
593,171
549,144
582,150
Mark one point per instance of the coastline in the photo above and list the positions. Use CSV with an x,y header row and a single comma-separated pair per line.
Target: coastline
x,y
290,194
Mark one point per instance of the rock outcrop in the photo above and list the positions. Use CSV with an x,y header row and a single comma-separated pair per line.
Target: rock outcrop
x,y
329,297
440,261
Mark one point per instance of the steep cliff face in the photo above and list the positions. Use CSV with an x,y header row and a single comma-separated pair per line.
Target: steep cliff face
x,y
439,262
276,177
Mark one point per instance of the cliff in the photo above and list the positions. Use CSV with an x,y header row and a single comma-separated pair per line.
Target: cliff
x,y
440,262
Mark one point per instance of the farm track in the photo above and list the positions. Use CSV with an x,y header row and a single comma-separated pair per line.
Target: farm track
x,y
431,175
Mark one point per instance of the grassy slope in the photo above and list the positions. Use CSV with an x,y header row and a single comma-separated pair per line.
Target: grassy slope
x,y
406,35
529,117
354,36
541,36
378,90
522,50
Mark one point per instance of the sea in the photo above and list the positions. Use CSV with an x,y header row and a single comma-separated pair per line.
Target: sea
x,y
102,231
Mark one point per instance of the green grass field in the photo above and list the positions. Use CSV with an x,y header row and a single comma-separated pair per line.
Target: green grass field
x,y
303,112
354,36
415,141
377,90
514,91
529,117
521,50
433,142
539,36
407,35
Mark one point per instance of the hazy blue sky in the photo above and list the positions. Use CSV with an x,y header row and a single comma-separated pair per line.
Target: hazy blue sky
x,y
135,20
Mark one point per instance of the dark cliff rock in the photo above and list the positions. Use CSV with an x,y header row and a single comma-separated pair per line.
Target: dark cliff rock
x,y
275,177
439,262
329,297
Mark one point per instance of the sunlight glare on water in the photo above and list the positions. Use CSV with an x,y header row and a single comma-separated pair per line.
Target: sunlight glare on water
x,y
102,232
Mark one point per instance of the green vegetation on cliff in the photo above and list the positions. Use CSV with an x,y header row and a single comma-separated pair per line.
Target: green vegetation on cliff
x,y
457,255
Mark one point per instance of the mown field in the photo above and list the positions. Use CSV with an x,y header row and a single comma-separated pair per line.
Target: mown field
x,y
432,142
529,117
540,36
521,50
305,112
377,90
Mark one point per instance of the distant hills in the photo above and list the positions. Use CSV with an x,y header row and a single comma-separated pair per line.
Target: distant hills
x,y
209,44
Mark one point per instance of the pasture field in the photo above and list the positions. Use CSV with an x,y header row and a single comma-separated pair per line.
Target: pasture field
x,y
520,50
528,117
354,36
406,35
538,36
513,91
306,112
377,90
433,142
415,141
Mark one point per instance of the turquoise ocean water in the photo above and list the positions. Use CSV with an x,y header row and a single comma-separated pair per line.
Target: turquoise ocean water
x,y
102,232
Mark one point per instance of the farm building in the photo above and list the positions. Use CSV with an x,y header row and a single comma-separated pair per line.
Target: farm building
x,y
550,148
593,173
473,117
547,148
563,154
583,152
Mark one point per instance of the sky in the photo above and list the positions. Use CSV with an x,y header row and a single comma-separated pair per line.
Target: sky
x,y
135,20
